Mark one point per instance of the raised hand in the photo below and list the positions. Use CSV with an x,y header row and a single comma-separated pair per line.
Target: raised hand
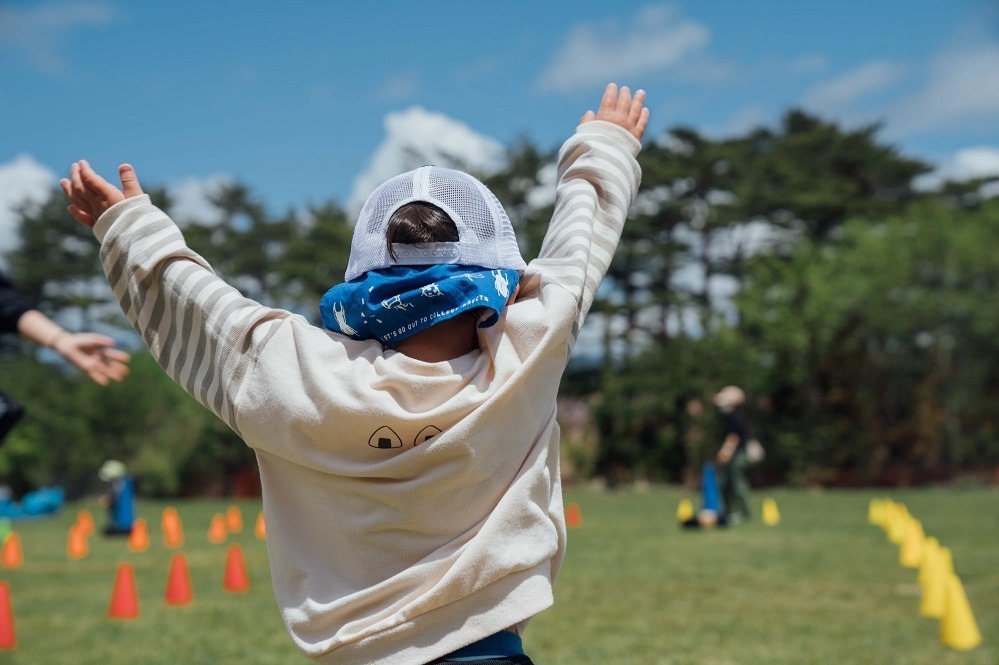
x,y
90,195
619,107
95,355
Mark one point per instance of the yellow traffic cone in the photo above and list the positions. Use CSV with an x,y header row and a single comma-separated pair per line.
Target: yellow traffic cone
x,y
931,549
910,554
946,560
889,515
685,510
935,589
958,629
896,533
933,578
771,516
876,512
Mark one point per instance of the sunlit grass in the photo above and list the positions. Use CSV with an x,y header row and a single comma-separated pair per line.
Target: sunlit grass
x,y
822,587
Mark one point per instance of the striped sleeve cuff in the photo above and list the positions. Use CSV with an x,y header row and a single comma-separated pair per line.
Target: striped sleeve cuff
x,y
112,214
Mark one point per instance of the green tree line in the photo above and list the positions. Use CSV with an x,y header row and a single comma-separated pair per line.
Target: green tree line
x,y
797,261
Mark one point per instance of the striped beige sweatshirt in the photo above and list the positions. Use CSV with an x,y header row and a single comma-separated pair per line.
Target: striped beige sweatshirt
x,y
455,530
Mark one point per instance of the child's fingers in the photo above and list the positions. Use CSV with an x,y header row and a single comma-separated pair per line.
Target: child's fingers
x,y
589,115
84,218
609,99
643,122
79,191
67,188
129,181
624,101
95,183
636,106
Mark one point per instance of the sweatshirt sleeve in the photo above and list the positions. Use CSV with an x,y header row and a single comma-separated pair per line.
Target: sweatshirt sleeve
x,y
202,331
598,177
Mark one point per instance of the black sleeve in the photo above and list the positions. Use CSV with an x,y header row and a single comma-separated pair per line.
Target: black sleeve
x,y
736,424
13,305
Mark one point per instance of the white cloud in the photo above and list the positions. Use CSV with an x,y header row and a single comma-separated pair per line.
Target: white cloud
x,y
841,92
966,164
989,190
191,199
37,33
543,194
969,163
962,86
22,181
416,137
654,40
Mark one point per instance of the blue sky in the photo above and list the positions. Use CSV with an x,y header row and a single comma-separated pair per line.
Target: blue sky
x,y
295,100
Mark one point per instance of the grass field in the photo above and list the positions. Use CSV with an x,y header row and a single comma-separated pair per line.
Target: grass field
x,y
822,587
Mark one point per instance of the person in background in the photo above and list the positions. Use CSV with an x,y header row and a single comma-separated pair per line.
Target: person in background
x,y
732,460
120,499
94,354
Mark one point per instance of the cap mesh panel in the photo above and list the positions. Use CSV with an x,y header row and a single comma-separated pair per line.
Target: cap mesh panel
x,y
486,237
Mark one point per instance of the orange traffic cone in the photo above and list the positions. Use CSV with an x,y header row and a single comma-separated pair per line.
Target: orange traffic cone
x,y
234,519
173,529
8,637
573,516
11,555
260,530
124,596
138,540
235,579
76,544
179,590
217,532
86,520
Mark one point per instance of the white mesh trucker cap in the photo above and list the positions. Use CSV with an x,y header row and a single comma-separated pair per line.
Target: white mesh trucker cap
x,y
485,235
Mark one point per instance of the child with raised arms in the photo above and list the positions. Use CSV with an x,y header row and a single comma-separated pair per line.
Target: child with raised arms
x,y
408,450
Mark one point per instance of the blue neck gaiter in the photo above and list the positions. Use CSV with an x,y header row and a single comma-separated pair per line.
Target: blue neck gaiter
x,y
390,304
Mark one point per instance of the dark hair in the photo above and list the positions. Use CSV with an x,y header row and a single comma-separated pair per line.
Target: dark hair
x,y
417,223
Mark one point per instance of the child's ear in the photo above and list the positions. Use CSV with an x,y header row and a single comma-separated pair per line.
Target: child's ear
x,y
513,296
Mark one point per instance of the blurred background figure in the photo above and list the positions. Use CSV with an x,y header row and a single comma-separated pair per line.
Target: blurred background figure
x,y
732,458
93,354
120,499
